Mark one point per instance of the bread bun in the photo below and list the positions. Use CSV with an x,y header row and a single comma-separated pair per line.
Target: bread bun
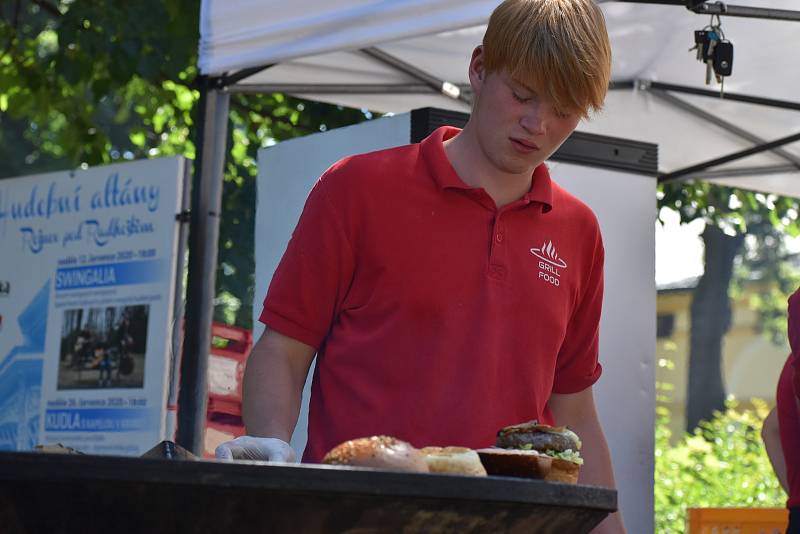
x,y
564,471
515,463
453,460
379,452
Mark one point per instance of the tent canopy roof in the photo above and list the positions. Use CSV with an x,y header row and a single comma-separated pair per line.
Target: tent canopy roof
x,y
333,51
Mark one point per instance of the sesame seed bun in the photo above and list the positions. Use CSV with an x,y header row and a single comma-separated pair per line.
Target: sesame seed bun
x,y
378,452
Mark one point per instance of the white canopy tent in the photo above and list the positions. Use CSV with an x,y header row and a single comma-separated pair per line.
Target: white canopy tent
x,y
392,56
395,55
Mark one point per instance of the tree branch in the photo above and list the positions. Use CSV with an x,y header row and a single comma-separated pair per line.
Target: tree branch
x,y
287,122
13,31
46,6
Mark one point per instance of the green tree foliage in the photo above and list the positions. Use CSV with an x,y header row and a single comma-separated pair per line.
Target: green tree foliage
x,y
765,220
94,82
722,464
258,121
744,233
767,259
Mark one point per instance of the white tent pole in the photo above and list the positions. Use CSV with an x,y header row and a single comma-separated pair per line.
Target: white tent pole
x,y
203,237
446,88
339,88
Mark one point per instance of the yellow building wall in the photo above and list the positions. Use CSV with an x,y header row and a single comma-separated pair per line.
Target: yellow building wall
x,y
751,363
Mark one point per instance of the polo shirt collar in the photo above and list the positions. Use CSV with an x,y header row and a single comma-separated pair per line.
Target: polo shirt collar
x,y
541,188
432,149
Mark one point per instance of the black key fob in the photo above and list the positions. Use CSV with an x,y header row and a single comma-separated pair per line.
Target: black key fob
x,y
723,58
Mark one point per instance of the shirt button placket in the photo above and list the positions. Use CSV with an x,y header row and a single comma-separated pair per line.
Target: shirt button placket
x,y
497,269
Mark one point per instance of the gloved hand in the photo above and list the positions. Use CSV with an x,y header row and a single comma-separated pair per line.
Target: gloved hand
x,y
252,448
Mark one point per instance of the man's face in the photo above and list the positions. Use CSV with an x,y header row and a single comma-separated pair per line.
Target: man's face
x,y
517,128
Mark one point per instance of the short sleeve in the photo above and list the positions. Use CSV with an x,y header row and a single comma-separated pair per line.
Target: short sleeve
x,y
577,366
793,329
314,274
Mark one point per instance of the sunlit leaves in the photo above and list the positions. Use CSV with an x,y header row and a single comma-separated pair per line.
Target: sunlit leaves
x,y
100,81
767,218
723,464
258,121
728,207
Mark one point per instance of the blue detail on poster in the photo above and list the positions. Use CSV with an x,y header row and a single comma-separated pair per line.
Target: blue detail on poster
x,y
21,378
96,420
109,274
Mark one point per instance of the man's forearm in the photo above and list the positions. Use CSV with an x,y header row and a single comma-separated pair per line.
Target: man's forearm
x,y
771,436
597,471
273,384
579,413
269,407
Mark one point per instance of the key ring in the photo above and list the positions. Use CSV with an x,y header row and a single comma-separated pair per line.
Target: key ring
x,y
716,27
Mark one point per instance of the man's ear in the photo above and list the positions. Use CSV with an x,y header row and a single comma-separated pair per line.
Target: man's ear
x,y
477,69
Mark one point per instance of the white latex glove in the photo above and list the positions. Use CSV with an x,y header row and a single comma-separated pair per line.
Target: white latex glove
x,y
252,448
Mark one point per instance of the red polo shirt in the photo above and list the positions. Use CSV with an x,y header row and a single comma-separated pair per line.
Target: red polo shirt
x,y
438,318
794,338
789,426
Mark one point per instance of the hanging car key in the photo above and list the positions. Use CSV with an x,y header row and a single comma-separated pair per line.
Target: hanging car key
x,y
710,40
723,58
699,39
723,63
709,44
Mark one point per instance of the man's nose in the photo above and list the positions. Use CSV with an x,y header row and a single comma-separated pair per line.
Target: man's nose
x,y
534,120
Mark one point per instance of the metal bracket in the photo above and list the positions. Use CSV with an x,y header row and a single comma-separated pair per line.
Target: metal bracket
x,y
184,216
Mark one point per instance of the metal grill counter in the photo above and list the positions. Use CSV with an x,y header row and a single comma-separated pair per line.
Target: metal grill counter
x,y
81,493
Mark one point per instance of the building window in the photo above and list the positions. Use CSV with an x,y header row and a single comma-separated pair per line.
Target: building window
x,y
665,324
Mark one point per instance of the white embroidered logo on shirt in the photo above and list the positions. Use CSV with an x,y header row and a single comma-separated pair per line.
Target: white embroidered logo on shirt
x,y
550,263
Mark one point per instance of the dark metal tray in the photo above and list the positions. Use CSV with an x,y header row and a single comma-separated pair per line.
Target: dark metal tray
x,y
55,493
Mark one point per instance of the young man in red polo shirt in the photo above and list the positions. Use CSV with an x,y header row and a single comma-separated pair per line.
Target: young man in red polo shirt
x,y
449,288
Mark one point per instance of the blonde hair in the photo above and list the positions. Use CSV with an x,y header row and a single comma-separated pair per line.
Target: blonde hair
x,y
557,47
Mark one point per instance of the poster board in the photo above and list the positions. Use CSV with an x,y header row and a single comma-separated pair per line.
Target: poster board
x,y
88,273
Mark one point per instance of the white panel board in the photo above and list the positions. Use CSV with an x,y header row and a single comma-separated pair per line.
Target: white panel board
x,y
286,174
625,205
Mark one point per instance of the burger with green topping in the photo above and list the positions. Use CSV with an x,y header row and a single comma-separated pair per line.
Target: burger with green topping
x,y
535,450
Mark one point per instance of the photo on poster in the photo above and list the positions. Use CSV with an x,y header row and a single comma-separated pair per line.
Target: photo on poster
x,y
103,347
